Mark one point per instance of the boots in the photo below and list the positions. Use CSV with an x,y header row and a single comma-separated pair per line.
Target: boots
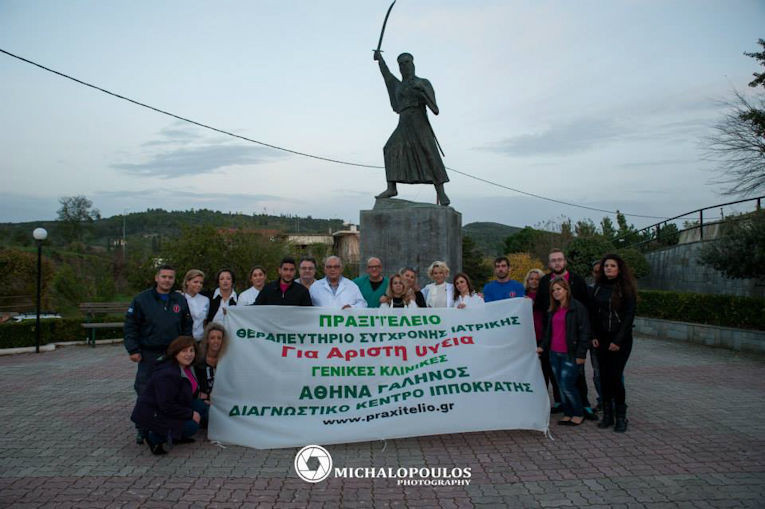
x,y
608,415
621,419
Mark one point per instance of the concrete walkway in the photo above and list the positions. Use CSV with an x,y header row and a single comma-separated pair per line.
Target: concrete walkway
x,y
696,439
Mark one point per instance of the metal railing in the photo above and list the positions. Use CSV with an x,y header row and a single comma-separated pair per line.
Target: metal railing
x,y
650,235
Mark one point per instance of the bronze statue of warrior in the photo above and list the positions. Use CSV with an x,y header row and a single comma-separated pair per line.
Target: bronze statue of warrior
x,y
412,151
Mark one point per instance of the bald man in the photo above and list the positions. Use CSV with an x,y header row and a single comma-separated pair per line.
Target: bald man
x,y
372,284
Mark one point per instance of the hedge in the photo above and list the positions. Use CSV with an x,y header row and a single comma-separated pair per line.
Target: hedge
x,y
18,334
723,310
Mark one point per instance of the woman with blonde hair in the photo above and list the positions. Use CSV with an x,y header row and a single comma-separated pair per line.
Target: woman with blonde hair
x,y
199,304
439,293
397,294
212,349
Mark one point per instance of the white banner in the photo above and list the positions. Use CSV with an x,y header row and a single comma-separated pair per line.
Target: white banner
x,y
299,375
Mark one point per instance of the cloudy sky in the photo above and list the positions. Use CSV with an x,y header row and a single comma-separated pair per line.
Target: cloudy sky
x,y
598,103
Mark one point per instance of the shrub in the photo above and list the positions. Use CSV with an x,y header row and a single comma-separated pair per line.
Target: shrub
x,y
14,335
521,264
635,261
723,310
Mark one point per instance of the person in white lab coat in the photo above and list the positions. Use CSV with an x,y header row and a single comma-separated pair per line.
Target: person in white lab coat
x,y
334,290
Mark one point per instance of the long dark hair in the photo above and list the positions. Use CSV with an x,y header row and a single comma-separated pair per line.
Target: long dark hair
x,y
625,286
464,276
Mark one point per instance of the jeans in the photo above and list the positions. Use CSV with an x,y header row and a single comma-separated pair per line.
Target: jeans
x,y
596,372
190,427
566,372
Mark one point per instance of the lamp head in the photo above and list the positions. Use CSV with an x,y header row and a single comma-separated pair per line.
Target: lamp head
x,y
40,234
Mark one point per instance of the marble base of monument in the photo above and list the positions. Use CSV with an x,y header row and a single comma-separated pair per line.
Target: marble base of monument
x,y
409,234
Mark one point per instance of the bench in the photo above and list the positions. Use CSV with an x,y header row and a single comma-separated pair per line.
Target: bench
x,y
92,309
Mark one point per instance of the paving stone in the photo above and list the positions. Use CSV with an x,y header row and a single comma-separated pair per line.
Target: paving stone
x,y
692,442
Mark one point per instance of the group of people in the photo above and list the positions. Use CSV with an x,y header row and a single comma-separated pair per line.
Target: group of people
x,y
176,337
572,319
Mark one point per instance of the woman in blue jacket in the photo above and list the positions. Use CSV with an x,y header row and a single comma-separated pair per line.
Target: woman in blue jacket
x,y
168,411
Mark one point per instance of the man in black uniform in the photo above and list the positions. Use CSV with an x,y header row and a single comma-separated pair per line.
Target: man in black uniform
x,y
155,318
284,291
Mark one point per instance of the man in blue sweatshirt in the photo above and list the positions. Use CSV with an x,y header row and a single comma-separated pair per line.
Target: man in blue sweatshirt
x,y
503,287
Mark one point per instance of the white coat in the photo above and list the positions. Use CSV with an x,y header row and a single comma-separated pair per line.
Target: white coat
x,y
449,294
347,294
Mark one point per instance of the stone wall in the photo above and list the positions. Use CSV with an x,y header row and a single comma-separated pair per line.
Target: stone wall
x,y
409,234
710,335
676,268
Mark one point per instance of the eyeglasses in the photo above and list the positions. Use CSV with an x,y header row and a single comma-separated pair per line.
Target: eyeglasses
x,y
331,266
374,266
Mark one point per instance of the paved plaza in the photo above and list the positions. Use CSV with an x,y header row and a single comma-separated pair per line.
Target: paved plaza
x,y
696,439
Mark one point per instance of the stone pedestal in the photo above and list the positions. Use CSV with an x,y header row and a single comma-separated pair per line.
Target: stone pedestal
x,y
408,234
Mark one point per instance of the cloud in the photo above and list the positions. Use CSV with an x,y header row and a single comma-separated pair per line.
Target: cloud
x,y
25,207
194,199
198,160
660,162
175,134
561,139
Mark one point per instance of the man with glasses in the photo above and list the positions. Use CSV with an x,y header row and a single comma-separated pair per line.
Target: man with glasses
x,y
372,284
334,290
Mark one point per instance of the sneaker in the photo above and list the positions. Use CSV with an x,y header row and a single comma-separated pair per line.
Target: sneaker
x,y
590,415
139,437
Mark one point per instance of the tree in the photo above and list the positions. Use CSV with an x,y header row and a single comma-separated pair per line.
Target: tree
x,y
738,141
18,276
585,228
635,261
74,212
668,235
607,229
583,251
739,252
522,241
521,264
473,263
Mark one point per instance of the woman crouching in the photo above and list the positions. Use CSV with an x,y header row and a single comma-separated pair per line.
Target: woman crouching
x,y
566,338
168,410
213,347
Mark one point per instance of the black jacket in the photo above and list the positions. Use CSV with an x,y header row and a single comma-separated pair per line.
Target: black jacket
x,y
578,291
578,335
271,295
166,402
152,324
215,305
205,376
609,323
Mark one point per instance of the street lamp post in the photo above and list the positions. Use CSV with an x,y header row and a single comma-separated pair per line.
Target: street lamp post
x,y
40,235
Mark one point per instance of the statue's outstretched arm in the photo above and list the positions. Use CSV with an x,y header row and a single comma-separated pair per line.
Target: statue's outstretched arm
x,y
391,82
